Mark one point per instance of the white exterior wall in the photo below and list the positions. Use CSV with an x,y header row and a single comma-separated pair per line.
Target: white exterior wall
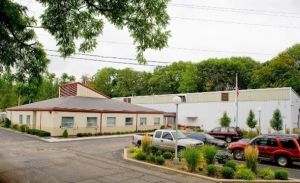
x,y
86,92
295,110
207,115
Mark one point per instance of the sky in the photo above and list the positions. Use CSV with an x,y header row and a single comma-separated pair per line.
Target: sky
x,y
200,29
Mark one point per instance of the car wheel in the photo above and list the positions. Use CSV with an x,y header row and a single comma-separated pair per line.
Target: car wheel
x,y
282,161
238,154
228,139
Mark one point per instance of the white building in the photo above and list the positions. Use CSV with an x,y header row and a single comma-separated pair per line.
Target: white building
x,y
206,108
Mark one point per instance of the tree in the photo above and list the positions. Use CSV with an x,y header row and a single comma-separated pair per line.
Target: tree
x,y
251,122
19,48
105,81
225,120
276,121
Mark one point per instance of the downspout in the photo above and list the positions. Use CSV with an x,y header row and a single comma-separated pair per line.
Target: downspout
x,y
40,120
136,122
100,122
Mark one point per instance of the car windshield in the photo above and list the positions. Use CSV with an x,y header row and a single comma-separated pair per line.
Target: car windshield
x,y
180,135
207,136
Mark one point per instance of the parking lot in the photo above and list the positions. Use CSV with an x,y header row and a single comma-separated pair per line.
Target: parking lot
x,y
27,159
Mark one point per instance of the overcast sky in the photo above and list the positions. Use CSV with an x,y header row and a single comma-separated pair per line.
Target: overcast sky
x,y
200,29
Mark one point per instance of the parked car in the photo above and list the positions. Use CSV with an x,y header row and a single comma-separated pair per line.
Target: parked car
x,y
228,134
282,149
165,140
207,139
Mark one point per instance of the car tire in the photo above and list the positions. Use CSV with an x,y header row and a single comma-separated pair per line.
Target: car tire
x,y
282,161
228,139
238,154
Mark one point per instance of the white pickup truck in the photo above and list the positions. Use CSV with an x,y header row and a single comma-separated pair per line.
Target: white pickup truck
x,y
165,140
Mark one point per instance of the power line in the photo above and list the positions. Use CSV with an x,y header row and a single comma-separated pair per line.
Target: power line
x,y
112,57
108,61
234,22
238,10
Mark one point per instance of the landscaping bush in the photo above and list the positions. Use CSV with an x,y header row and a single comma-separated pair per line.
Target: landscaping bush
x,y
222,157
150,158
15,127
227,172
231,164
266,174
245,173
281,174
24,128
158,153
167,155
209,152
7,123
90,134
154,149
159,160
146,142
39,133
251,155
162,127
191,156
140,155
79,135
211,169
132,149
65,134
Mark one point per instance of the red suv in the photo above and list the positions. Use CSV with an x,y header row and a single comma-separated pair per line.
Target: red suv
x,y
282,149
228,134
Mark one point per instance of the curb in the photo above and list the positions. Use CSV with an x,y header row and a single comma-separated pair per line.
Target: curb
x,y
53,139
125,157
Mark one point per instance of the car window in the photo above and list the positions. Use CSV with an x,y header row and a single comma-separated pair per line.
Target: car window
x,y
231,129
167,135
224,130
272,143
218,129
196,136
260,142
288,144
158,134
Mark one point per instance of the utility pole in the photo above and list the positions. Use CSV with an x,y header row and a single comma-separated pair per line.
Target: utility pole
x,y
236,100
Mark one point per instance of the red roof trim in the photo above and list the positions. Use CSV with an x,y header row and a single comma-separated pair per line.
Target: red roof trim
x,y
86,110
87,88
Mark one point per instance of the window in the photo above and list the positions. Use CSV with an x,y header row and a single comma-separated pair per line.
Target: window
x,y
28,120
183,98
91,122
143,121
224,97
218,129
128,121
224,129
111,121
21,119
67,122
167,135
158,134
288,144
128,100
157,121
261,142
272,143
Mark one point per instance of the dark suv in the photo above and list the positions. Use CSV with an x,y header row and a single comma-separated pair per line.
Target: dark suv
x,y
228,134
282,149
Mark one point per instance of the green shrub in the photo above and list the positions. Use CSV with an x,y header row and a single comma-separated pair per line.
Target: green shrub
x,y
24,128
231,164
15,127
150,158
42,133
154,149
191,156
222,157
79,135
227,172
65,134
162,127
245,173
266,173
132,149
281,174
140,155
7,123
158,153
209,152
211,169
90,134
159,160
167,155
